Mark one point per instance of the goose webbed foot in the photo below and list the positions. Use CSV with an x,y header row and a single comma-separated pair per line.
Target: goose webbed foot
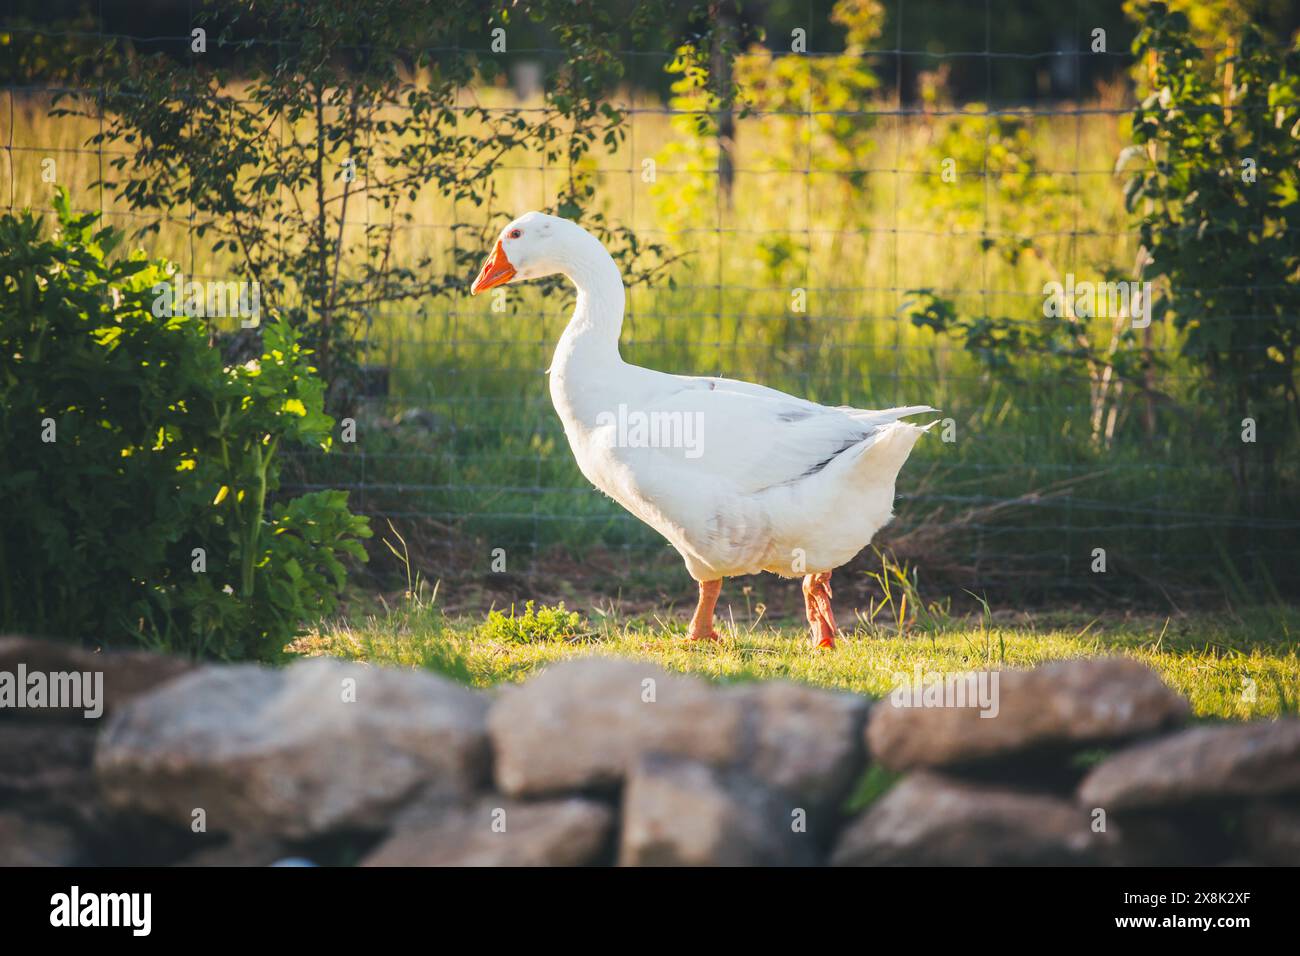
x,y
701,628
817,603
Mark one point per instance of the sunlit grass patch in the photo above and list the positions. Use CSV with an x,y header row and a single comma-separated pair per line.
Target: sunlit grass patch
x,y
1230,667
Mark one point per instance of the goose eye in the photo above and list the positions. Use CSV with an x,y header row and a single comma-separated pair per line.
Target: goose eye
x,y
514,234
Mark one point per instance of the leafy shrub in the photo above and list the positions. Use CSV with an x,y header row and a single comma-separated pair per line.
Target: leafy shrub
x,y
535,625
137,469
1219,198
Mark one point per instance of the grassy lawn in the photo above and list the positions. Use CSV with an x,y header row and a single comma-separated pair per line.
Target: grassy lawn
x,y
1239,666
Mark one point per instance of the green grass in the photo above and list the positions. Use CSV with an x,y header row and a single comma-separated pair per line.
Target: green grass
x,y
1208,658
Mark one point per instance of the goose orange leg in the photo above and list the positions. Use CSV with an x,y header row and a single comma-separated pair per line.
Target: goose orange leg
x,y
702,620
817,602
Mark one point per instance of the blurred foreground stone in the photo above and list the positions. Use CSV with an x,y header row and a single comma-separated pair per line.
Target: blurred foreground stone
x,y
318,746
1058,706
496,831
1204,763
125,674
929,820
678,812
600,761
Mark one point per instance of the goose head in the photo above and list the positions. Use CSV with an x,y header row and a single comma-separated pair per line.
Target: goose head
x,y
535,246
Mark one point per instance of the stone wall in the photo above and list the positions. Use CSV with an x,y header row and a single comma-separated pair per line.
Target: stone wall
x,y
602,761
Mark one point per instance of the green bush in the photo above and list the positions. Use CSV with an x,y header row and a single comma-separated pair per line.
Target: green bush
x,y
1215,178
137,468
535,625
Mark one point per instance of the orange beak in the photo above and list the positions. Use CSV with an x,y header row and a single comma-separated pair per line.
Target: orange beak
x,y
495,271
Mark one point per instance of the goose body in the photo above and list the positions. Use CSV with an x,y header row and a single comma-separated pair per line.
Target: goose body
x,y
738,477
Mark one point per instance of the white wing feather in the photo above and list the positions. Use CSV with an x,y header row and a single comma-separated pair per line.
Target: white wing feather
x,y
753,437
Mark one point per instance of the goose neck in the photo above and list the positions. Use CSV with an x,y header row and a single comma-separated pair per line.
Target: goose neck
x,y
597,318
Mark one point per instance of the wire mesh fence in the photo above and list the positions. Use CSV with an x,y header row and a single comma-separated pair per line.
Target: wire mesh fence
x,y
838,233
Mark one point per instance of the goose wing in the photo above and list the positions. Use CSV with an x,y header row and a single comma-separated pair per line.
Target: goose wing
x,y
750,437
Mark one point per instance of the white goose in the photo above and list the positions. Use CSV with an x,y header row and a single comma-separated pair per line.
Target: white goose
x,y
740,478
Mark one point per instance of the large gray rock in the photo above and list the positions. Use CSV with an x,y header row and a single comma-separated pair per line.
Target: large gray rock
x,y
1064,704
806,742
497,831
317,746
930,820
581,723
1203,763
678,812
125,674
